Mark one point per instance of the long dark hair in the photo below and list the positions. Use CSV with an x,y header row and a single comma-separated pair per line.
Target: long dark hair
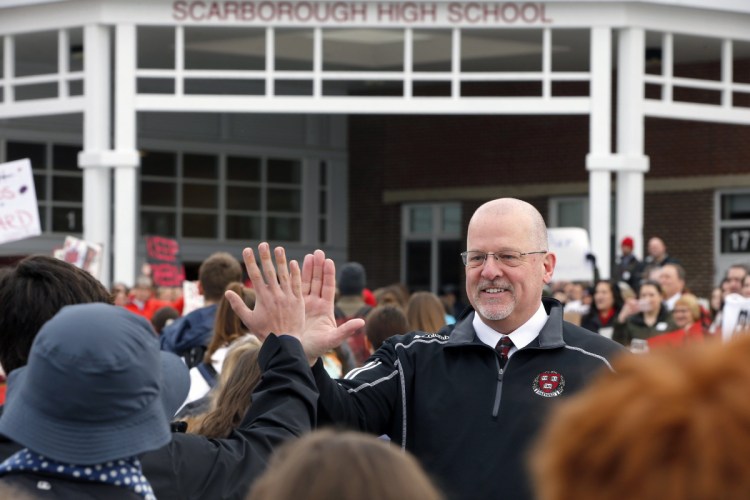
x,y
616,294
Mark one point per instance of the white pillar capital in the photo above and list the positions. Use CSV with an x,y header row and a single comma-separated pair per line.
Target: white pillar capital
x,y
617,163
109,158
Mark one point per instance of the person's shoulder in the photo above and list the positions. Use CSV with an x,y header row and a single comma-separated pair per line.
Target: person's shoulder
x,y
577,337
416,338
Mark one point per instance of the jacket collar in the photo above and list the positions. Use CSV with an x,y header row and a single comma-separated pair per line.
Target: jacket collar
x,y
549,336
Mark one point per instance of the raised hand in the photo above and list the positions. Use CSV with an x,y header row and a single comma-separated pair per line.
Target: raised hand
x,y
319,292
279,306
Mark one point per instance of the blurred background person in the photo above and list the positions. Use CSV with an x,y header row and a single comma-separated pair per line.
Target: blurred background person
x,y
643,318
164,317
672,280
384,322
227,329
120,294
627,265
142,301
604,310
352,280
392,295
425,312
327,465
228,403
687,317
190,335
673,425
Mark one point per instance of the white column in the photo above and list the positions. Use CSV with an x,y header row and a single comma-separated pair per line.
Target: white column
x,y
630,136
96,138
599,161
126,189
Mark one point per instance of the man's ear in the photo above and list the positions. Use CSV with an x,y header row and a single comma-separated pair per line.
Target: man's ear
x,y
200,288
549,261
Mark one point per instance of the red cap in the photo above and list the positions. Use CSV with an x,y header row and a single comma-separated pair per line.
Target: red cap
x,y
627,242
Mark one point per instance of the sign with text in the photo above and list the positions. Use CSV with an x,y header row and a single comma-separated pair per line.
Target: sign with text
x,y
19,215
735,317
571,245
163,256
82,254
359,12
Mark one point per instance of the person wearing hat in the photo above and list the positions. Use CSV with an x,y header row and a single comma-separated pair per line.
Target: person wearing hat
x,y
91,398
627,266
191,466
351,304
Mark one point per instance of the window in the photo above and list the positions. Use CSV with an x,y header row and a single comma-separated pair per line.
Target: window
x,y
732,234
212,196
432,246
58,183
569,212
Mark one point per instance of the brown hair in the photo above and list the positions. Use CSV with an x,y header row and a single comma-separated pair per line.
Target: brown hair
x,y
425,312
669,425
227,326
327,464
395,294
216,273
240,373
384,322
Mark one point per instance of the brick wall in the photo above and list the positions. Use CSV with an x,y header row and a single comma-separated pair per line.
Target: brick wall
x,y
685,221
421,152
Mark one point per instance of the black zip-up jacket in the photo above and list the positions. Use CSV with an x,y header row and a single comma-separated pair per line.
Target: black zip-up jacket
x,y
195,467
444,398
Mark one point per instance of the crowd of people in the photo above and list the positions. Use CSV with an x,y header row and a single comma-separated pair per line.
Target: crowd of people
x,y
649,304
526,392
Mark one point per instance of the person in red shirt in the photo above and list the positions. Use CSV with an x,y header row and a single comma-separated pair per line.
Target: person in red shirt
x,y
142,301
687,316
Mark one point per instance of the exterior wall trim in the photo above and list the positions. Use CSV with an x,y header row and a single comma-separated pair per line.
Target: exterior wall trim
x,y
662,185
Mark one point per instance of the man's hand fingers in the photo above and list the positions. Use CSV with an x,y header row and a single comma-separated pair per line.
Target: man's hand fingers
x,y
328,290
242,311
307,273
281,267
253,272
295,280
267,264
346,330
319,258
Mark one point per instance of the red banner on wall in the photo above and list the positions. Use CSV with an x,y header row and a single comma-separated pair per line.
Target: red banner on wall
x,y
163,256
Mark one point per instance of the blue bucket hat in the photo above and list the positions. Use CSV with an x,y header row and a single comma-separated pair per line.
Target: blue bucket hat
x,y
96,388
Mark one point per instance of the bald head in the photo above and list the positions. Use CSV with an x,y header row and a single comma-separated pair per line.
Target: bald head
x,y
520,212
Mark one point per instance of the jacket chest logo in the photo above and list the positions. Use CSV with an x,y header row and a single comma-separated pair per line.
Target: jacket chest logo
x,y
549,384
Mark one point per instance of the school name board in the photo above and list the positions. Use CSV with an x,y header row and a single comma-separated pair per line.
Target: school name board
x,y
407,13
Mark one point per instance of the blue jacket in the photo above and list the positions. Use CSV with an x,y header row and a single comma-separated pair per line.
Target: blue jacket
x,y
189,331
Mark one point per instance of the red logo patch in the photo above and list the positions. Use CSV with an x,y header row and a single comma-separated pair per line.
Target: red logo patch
x,y
549,384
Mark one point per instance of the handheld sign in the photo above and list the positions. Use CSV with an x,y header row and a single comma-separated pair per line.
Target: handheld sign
x,y
163,256
571,245
19,215
82,254
735,317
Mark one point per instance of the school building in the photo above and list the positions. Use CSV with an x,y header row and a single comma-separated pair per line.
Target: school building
x,y
373,129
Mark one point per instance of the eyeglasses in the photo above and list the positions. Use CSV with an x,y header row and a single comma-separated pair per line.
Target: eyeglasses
x,y
508,258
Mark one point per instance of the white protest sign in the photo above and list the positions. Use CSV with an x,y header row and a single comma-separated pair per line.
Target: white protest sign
x,y
735,316
192,297
82,254
19,215
571,245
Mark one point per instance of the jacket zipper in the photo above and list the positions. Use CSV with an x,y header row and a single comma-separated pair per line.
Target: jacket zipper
x,y
498,389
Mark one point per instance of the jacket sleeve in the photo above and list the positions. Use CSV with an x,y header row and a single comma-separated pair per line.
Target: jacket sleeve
x,y
284,406
367,399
